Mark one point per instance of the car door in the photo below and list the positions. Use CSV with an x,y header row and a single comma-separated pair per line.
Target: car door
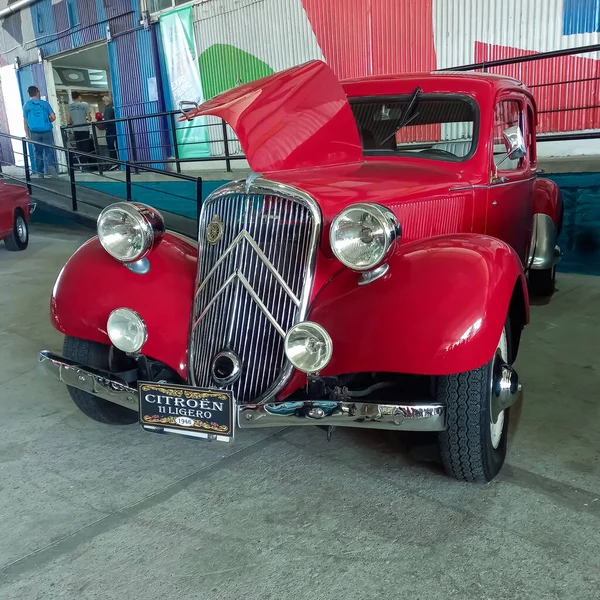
x,y
510,190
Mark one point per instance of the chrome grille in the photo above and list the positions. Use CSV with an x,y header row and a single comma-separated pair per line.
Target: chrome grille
x,y
253,284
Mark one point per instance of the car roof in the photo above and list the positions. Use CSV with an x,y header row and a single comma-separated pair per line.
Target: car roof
x,y
440,81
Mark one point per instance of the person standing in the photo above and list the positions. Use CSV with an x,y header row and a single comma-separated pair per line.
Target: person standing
x,y
38,117
80,115
110,128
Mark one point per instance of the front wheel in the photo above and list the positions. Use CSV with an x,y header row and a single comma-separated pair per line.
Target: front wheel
x,y
19,238
473,447
95,355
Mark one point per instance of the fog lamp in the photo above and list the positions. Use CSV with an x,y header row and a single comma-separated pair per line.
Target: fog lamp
x,y
308,347
126,330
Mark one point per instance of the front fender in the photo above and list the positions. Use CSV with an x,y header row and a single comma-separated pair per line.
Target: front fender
x,y
92,284
439,310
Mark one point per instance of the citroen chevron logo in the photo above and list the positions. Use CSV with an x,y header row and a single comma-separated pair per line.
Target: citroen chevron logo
x,y
244,235
238,276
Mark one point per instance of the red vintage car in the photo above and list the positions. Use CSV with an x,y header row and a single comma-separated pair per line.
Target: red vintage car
x,y
371,272
15,209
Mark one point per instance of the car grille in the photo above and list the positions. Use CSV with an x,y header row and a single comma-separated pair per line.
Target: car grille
x,y
253,284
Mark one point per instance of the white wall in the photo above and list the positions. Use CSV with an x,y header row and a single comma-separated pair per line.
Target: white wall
x,y
14,111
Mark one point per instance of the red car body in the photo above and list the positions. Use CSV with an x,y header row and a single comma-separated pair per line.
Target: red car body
x,y
470,231
14,202
454,204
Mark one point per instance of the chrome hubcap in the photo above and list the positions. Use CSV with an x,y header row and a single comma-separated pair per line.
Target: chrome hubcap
x,y
21,229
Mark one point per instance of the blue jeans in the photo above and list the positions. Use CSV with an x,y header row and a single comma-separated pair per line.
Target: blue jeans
x,y
41,152
111,142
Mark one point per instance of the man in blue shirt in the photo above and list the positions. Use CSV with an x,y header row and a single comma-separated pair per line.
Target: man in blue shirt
x,y
38,117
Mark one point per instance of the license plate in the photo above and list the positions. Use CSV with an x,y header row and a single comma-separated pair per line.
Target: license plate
x,y
185,410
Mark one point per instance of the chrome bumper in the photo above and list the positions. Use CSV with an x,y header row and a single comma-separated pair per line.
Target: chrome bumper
x,y
99,383
368,415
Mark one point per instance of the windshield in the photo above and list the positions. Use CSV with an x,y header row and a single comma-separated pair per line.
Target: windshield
x,y
432,126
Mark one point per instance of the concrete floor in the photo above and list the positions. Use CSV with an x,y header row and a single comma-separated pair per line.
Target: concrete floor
x,y
89,511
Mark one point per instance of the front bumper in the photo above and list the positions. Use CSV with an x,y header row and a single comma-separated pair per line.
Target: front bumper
x,y
368,415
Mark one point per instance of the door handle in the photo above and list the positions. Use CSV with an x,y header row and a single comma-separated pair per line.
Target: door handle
x,y
495,203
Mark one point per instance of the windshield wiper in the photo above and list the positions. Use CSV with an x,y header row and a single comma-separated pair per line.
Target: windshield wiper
x,y
407,116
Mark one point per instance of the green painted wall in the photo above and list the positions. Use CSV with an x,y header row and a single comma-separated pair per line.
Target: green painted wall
x,y
222,67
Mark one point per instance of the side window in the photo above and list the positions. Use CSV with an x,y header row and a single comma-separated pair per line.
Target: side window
x,y
508,113
531,149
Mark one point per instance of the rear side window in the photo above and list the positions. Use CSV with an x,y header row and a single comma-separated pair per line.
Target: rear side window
x,y
508,113
436,127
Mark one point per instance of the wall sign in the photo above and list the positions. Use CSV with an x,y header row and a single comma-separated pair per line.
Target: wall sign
x,y
184,79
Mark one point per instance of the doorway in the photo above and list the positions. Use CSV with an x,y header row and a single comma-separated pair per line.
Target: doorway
x,y
86,71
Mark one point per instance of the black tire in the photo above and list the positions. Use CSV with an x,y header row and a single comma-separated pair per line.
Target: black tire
x,y
95,355
541,281
19,238
466,446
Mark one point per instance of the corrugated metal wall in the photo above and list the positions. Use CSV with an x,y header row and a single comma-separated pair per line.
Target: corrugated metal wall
x,y
241,42
7,156
133,64
276,35
499,29
62,25
374,37
247,39
15,32
535,25
46,34
32,74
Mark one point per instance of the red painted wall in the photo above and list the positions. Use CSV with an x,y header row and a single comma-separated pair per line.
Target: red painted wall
x,y
374,37
545,79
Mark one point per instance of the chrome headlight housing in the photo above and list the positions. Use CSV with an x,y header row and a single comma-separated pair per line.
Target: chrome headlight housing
x,y
308,347
363,235
128,231
126,330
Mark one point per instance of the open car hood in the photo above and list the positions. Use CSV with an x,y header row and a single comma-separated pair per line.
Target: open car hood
x,y
298,118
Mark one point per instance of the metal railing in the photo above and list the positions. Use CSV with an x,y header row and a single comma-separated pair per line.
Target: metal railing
x,y
156,139
59,176
558,104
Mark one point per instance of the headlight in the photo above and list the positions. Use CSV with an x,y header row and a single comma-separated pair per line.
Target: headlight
x,y
308,347
362,235
126,330
128,231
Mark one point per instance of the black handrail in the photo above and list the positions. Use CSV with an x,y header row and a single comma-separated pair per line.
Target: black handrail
x,y
549,137
70,165
522,59
168,134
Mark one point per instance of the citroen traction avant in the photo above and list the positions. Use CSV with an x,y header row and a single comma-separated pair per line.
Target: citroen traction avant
x,y
372,272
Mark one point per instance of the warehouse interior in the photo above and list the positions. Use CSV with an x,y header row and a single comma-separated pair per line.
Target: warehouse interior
x,y
317,317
